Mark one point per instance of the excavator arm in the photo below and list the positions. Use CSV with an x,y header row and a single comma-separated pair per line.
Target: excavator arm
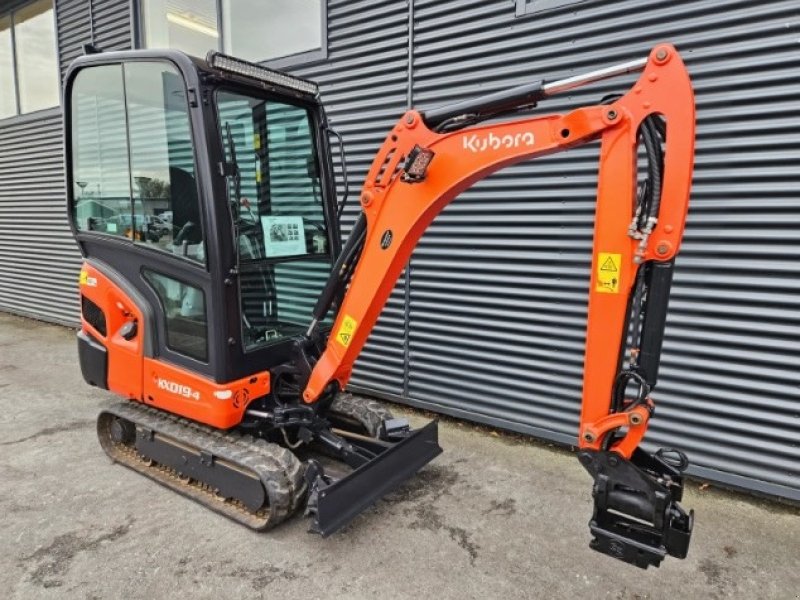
x,y
430,158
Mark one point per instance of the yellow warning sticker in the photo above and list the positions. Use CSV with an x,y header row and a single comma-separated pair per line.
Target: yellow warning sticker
x,y
609,266
84,279
346,331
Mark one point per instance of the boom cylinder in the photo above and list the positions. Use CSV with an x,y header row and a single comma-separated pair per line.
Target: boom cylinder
x,y
526,95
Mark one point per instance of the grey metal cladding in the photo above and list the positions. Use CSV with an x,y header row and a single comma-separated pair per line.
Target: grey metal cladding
x,y
104,23
39,260
363,84
75,28
112,24
499,282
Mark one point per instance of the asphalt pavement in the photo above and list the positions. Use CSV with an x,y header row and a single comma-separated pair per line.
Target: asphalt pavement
x,y
496,516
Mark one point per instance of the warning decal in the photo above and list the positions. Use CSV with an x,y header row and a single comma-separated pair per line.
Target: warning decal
x,y
609,265
84,279
346,331
608,272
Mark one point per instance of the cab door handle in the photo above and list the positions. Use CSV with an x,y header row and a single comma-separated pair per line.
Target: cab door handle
x,y
129,330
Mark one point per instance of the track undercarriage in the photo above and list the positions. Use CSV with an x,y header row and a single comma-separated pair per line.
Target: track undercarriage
x,y
338,471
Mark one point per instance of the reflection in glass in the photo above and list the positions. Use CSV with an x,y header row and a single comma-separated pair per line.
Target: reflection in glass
x,y
281,229
8,100
185,312
37,66
280,210
257,30
136,181
188,25
99,152
166,205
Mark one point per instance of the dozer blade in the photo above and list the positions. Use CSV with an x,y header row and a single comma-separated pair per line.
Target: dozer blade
x,y
255,483
334,503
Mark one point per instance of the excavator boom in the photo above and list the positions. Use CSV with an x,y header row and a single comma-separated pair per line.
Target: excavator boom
x,y
428,158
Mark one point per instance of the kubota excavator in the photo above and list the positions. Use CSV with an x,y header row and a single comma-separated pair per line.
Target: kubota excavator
x,y
217,299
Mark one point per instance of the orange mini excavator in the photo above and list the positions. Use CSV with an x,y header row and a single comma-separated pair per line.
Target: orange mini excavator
x,y
218,300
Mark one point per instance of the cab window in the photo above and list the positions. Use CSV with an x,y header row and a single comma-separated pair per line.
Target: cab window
x,y
277,199
132,159
184,308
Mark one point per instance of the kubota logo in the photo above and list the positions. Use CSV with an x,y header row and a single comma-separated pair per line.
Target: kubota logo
x,y
177,388
481,143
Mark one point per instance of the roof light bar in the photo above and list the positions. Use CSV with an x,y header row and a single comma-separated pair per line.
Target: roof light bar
x,y
223,62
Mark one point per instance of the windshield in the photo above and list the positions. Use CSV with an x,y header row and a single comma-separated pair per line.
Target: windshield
x,y
276,196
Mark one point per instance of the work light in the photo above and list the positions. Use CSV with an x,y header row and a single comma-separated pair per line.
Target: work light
x,y
222,62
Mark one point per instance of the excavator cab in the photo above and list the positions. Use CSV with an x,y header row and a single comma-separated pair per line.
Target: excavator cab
x,y
217,297
210,191
202,197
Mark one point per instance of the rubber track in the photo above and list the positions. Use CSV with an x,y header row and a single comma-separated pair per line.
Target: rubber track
x,y
281,473
369,413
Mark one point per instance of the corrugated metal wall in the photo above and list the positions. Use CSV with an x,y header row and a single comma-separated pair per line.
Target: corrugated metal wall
x,y
488,323
104,23
39,260
75,28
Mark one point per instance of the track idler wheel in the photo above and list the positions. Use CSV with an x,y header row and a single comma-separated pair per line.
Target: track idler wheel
x,y
122,431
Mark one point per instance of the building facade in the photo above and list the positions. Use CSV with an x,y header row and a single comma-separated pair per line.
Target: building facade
x,y
487,323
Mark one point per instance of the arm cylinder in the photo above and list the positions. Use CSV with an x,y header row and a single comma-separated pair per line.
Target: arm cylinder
x,y
659,282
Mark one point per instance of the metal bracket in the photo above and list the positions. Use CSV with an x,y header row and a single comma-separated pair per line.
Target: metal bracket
x,y
394,429
637,517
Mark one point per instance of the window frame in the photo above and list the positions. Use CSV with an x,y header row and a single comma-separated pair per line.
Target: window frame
x,y
328,212
533,7
81,234
280,62
21,117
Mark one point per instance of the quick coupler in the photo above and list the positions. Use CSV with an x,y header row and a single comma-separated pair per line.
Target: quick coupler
x,y
637,517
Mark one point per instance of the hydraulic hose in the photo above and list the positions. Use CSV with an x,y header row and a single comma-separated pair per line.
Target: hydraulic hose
x,y
341,272
651,197
650,288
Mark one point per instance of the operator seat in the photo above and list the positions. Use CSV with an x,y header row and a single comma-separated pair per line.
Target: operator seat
x,y
186,223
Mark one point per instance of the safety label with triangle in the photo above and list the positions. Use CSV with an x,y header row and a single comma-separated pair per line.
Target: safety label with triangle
x,y
346,331
609,265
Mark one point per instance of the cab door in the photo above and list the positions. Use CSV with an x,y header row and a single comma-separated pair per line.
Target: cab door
x,y
136,210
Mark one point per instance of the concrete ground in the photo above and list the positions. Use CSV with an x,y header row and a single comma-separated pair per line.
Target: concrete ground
x,y
493,517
